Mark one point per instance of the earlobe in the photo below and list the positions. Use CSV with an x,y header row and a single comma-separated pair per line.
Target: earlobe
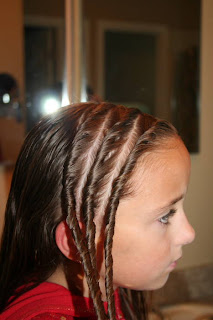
x,y
65,242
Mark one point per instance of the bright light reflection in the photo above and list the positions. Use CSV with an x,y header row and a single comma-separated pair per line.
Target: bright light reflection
x,y
6,98
51,105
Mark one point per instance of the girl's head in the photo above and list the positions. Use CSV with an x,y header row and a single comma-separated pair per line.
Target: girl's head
x,y
117,178
151,227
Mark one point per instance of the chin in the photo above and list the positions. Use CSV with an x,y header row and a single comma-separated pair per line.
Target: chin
x,y
154,285
151,285
158,284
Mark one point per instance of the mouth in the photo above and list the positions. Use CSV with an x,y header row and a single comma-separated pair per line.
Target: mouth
x,y
173,265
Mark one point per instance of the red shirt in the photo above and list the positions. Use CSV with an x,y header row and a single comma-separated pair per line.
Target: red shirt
x,y
50,301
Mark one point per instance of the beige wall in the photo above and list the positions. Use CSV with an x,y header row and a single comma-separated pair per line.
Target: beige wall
x,y
199,203
11,61
3,196
11,40
5,180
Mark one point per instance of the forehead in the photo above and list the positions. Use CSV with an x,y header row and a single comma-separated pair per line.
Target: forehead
x,y
160,178
163,167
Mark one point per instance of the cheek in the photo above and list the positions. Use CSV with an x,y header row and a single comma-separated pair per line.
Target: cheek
x,y
139,251
142,267
142,250
141,255
147,242
128,249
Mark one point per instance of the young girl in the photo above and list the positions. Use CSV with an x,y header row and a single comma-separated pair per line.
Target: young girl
x,y
96,205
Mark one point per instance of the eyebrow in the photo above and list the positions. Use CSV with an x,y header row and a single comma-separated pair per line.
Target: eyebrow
x,y
174,201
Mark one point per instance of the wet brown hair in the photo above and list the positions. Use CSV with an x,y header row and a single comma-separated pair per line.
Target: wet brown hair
x,y
74,165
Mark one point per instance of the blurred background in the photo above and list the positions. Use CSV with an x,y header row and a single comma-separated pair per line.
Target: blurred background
x,y
155,55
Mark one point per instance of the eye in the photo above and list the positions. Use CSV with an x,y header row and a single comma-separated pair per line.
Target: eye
x,y
165,219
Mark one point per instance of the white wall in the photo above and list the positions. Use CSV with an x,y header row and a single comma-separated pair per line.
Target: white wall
x,y
199,202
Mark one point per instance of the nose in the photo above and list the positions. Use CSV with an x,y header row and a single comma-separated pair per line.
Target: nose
x,y
186,232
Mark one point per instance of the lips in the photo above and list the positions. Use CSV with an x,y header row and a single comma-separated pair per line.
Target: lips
x,y
174,263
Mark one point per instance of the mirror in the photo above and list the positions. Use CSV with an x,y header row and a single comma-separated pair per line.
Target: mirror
x,y
34,59
146,54
44,35
137,53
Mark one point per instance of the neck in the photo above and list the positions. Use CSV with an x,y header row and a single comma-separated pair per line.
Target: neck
x,y
72,277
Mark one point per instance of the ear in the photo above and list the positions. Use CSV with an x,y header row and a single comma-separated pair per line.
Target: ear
x,y
65,242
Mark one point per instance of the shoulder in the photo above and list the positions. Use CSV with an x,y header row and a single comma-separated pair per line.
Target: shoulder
x,y
49,301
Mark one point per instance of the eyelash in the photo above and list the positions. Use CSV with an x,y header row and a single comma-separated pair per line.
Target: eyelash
x,y
167,217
